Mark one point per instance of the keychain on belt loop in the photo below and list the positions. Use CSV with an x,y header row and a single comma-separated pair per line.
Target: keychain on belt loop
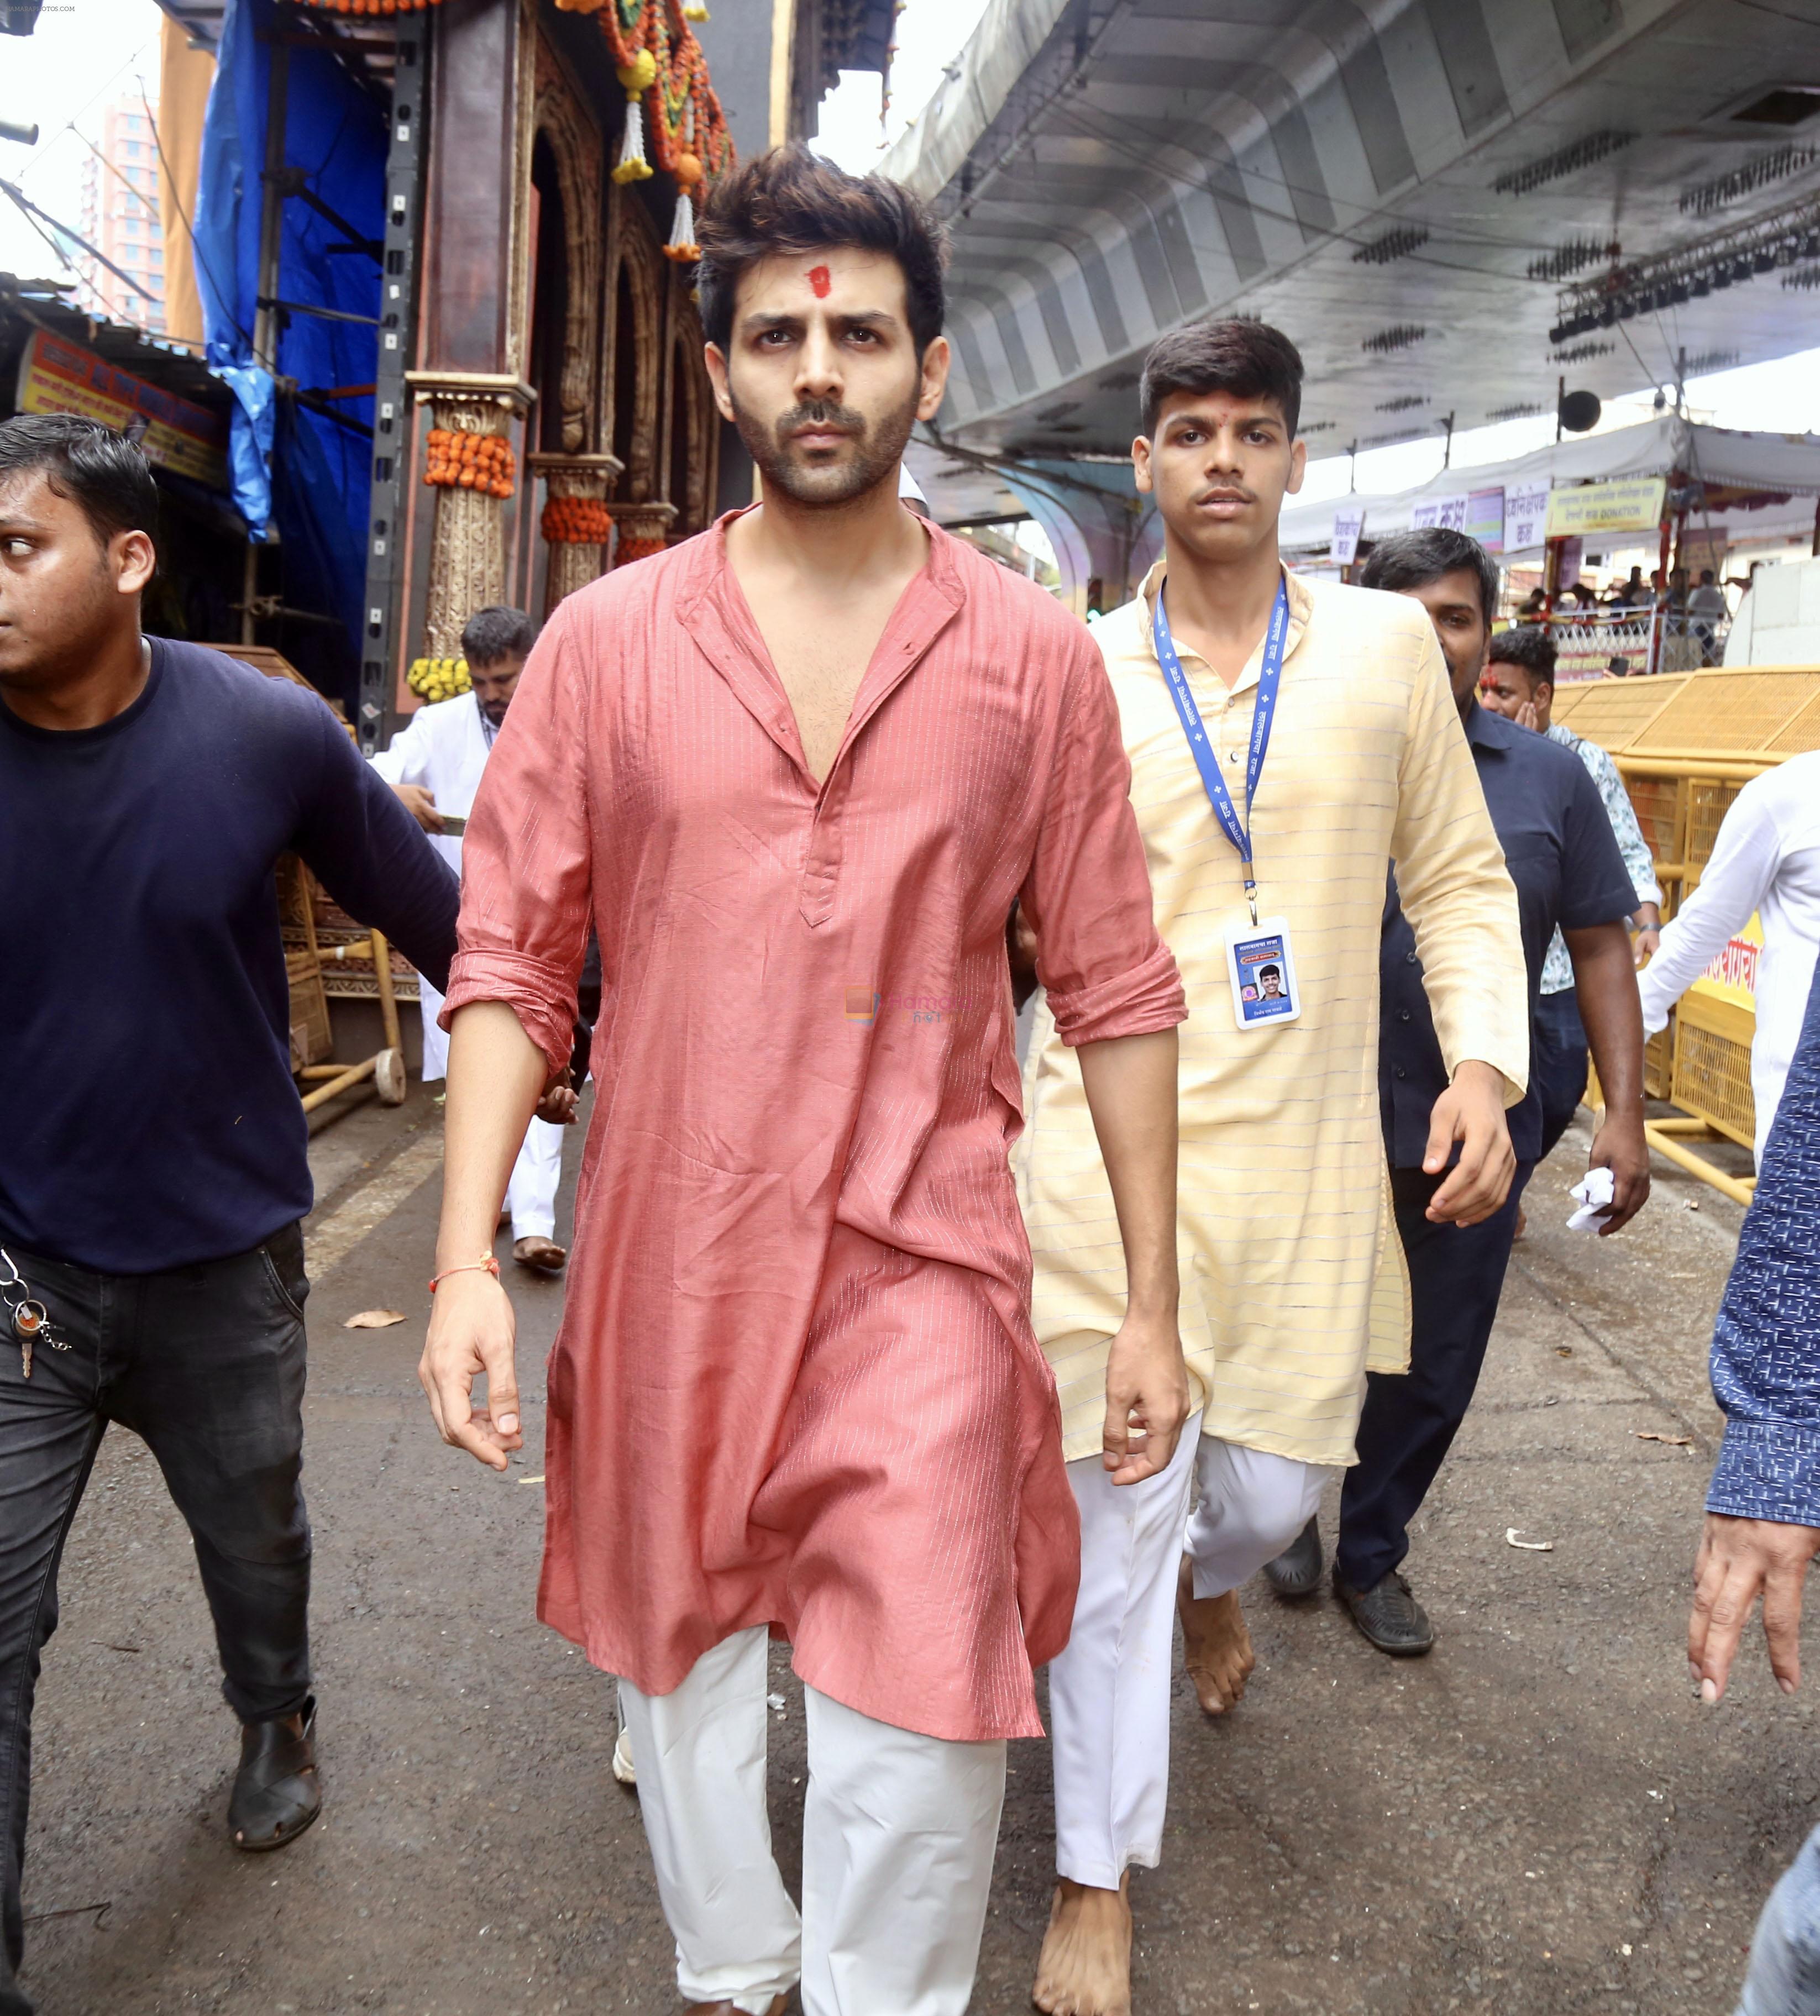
x,y
30,1320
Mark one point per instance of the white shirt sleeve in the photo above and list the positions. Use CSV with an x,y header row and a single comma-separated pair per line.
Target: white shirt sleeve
x,y
407,761
1746,856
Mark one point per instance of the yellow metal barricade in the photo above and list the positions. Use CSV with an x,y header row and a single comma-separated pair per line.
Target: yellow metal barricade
x,y
1686,743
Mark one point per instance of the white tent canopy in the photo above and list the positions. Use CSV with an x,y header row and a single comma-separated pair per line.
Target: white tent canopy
x,y
1789,463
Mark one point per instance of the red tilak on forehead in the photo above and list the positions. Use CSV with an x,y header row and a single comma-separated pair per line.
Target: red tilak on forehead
x,y
821,280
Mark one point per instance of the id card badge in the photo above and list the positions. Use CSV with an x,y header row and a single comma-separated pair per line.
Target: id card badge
x,y
1262,968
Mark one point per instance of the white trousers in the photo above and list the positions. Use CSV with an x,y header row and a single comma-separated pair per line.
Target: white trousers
x,y
1109,1691
537,1174
898,1835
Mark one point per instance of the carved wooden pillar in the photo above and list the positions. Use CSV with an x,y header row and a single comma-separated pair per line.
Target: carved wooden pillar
x,y
467,546
471,353
587,480
640,530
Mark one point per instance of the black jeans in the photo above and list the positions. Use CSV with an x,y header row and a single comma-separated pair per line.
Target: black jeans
x,y
207,1364
1456,1275
1558,1053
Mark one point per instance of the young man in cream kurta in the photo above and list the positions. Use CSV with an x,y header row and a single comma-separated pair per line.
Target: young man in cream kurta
x,y
1291,1275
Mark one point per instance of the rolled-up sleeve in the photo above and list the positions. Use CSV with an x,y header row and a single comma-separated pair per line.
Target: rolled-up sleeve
x,y
1106,971
1765,1344
527,856
1457,892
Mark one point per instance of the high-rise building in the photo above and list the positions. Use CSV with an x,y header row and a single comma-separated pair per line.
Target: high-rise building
x,y
120,217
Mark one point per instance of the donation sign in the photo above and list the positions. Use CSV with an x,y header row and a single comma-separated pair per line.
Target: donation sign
x,y
1624,504
59,377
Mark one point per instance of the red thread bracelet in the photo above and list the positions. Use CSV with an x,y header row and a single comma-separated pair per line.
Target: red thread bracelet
x,y
488,1265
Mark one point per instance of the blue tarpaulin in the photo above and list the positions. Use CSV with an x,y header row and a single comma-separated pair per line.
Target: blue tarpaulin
x,y
293,468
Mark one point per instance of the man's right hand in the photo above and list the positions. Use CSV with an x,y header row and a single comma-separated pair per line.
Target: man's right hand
x,y
1147,1399
1738,1560
472,1329
1471,1112
421,805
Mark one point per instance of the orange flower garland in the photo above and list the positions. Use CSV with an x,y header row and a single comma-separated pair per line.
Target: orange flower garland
x,y
576,521
655,53
628,550
458,460
684,95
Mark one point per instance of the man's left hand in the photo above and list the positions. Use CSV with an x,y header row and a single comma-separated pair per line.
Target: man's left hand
x,y
1738,1560
1619,1147
1647,943
559,1104
1470,1111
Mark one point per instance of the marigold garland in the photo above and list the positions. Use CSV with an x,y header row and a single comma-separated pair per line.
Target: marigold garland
x,y
576,521
655,54
628,550
471,461
433,679
683,95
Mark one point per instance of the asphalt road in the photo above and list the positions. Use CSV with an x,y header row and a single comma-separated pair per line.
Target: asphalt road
x,y
1538,1818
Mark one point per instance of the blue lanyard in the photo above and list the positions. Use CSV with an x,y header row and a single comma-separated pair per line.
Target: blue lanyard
x,y
1206,758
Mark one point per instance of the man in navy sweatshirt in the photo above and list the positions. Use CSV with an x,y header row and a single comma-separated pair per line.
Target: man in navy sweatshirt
x,y
153,1151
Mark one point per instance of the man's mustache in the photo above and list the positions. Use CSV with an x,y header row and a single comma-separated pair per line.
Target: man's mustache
x,y
821,413
1226,489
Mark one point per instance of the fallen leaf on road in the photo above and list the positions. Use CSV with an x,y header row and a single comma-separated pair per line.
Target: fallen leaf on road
x,y
1674,1441
1528,1546
374,1319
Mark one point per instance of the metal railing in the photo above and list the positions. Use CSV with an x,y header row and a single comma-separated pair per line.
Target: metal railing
x,y
1591,642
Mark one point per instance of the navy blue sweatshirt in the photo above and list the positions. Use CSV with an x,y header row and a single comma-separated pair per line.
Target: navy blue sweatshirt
x,y
148,1116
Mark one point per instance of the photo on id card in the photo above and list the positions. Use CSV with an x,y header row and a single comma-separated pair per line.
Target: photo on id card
x,y
1262,971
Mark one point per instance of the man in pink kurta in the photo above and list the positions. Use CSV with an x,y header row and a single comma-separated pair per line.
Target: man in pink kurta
x,y
796,1386
796,1382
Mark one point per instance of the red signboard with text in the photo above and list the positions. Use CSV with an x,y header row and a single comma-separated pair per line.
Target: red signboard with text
x,y
56,377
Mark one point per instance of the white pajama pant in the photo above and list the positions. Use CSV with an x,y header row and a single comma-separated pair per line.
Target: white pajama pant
x,y
537,1174
898,1835
1109,1690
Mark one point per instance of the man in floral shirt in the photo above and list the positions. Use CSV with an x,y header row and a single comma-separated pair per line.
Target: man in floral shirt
x,y
1519,683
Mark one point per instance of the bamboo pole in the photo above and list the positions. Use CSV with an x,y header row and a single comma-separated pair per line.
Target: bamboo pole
x,y
388,1006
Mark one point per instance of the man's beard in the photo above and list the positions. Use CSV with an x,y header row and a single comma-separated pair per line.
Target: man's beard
x,y
877,450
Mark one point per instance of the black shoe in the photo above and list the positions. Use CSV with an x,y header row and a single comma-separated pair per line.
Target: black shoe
x,y
1389,1616
1296,1571
277,1791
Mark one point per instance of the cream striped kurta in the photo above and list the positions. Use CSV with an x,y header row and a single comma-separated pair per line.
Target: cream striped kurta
x,y
1292,1275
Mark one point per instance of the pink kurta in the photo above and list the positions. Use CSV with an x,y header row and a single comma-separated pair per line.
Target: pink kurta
x,y
796,1383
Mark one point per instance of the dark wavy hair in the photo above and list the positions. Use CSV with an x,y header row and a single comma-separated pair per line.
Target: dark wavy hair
x,y
490,634
1412,559
1248,359
102,473
1526,646
791,201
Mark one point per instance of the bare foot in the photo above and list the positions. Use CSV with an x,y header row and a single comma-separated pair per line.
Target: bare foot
x,y
1085,1967
1219,1657
542,1254
1522,1223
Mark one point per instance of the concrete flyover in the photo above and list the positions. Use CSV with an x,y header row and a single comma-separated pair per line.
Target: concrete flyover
x,y
1418,191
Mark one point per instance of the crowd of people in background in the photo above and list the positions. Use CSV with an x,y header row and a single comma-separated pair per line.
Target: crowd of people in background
x,y
1327,915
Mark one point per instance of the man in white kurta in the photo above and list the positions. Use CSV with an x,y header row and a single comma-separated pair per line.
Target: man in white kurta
x,y
1767,861
435,764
